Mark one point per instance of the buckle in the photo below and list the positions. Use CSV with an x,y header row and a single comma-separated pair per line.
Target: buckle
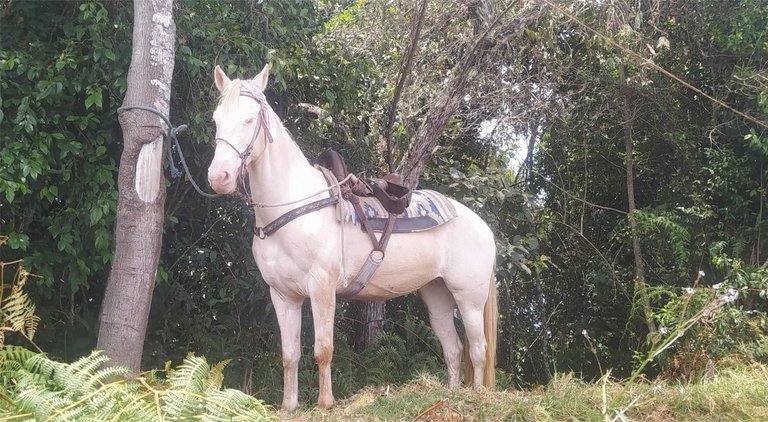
x,y
259,232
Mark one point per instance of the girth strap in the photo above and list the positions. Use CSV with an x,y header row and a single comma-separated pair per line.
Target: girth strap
x,y
276,224
371,264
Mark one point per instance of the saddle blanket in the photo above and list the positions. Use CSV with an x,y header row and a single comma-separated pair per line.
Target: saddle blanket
x,y
427,209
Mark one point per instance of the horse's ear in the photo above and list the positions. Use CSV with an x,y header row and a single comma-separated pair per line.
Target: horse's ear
x,y
220,78
262,78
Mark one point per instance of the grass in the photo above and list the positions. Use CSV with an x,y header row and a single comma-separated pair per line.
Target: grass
x,y
738,394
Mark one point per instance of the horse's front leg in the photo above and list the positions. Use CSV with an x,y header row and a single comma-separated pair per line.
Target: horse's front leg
x,y
323,299
288,311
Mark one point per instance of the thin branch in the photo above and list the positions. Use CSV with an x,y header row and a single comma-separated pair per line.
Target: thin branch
x,y
418,20
316,110
577,198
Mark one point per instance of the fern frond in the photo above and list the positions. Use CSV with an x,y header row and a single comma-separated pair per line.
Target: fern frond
x,y
191,374
105,376
138,408
16,355
187,382
668,225
216,376
190,394
45,369
18,311
234,405
42,403
80,376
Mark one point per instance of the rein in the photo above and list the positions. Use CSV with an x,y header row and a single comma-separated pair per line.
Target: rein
x,y
338,183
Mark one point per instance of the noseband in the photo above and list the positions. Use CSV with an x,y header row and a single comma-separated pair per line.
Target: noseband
x,y
248,90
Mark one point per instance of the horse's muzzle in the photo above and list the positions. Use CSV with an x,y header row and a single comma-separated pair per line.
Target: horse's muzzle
x,y
222,181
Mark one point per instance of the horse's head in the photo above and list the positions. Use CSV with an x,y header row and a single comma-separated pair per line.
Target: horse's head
x,y
241,128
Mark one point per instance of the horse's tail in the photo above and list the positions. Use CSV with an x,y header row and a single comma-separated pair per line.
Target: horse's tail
x,y
491,320
490,328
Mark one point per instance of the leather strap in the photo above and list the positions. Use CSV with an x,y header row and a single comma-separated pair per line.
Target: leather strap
x,y
276,224
376,256
363,219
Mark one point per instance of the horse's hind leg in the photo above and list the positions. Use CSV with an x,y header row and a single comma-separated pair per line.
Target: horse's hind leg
x,y
472,316
441,307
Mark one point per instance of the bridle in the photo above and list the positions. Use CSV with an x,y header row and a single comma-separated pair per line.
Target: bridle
x,y
249,90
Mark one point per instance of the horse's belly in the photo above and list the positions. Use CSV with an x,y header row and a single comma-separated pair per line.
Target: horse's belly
x,y
404,270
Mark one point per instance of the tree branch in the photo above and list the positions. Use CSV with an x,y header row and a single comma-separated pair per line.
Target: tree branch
x,y
447,102
418,20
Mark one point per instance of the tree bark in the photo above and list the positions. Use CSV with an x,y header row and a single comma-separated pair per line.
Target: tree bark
x,y
636,249
368,323
141,186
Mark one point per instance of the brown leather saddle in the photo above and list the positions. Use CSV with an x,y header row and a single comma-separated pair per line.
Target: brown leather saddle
x,y
389,190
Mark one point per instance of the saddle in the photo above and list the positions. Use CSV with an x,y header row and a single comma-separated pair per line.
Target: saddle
x,y
389,190
392,195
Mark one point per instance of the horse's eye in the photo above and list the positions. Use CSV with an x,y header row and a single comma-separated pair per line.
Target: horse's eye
x,y
249,120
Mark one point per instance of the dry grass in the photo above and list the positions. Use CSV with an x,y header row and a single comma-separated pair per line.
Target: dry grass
x,y
731,395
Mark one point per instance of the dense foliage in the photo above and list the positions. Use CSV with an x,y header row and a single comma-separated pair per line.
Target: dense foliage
x,y
699,176
565,263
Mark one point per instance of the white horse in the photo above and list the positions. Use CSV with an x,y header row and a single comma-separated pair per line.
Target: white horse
x,y
316,255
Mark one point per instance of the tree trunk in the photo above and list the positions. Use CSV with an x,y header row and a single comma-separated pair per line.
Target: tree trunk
x,y
368,323
141,186
636,250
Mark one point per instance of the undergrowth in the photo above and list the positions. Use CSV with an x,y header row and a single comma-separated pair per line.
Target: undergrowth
x,y
733,394
36,388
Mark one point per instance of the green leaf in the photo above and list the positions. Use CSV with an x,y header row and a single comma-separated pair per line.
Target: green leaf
x,y
10,194
330,96
94,98
18,241
65,241
96,215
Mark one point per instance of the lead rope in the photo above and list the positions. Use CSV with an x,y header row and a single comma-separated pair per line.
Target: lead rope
x,y
175,173
172,134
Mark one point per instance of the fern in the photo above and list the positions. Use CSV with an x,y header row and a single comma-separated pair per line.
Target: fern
x,y
18,311
667,224
187,383
38,388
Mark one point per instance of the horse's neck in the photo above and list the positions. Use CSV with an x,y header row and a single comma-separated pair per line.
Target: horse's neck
x,y
282,174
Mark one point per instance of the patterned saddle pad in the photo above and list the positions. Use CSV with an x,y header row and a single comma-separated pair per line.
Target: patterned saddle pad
x,y
428,209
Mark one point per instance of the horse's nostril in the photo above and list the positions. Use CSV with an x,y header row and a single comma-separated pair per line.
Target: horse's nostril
x,y
220,178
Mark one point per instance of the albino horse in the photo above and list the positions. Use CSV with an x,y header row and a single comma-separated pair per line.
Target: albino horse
x,y
316,255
